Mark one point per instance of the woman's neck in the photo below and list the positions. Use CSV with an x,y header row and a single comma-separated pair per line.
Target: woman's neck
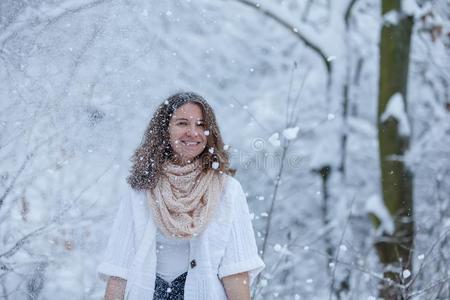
x,y
181,161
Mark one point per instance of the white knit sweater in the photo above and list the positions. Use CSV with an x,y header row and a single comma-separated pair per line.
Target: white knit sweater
x,y
227,246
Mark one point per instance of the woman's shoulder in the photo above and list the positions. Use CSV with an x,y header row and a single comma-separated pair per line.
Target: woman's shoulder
x,y
231,184
135,194
136,199
233,189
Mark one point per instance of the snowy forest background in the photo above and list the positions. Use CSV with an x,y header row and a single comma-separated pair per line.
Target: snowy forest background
x,y
304,95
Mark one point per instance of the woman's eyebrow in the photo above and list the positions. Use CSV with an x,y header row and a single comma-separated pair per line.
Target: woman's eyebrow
x,y
187,119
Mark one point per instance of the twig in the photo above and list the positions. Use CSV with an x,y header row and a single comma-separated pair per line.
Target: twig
x,y
333,275
433,285
13,181
295,32
252,116
352,266
272,205
32,23
348,12
53,221
443,236
294,66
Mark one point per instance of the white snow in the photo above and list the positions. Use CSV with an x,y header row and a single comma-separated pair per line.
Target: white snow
x,y
375,205
215,165
274,139
263,282
406,273
290,133
282,249
391,17
362,126
410,7
395,108
327,150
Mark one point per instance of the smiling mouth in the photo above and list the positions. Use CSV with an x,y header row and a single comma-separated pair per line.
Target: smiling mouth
x,y
189,143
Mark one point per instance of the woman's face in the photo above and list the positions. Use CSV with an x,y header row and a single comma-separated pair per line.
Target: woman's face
x,y
187,132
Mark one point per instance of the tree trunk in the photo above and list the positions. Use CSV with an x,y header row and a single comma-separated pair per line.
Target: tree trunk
x,y
394,249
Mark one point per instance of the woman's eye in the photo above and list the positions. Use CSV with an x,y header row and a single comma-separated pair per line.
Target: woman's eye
x,y
182,123
201,124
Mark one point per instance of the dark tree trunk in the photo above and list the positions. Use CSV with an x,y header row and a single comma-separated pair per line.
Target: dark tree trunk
x,y
394,250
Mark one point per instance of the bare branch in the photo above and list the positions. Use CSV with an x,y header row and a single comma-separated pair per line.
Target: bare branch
x,y
22,241
4,38
333,276
434,245
431,286
348,12
13,181
293,30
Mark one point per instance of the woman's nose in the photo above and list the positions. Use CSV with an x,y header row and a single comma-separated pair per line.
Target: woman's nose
x,y
192,132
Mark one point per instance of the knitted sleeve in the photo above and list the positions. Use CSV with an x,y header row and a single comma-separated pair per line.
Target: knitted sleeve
x,y
241,253
120,249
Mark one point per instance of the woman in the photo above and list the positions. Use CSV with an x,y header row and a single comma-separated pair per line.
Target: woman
x,y
184,231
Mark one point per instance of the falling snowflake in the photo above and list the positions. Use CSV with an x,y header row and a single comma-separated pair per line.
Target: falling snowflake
x,y
274,139
263,282
290,133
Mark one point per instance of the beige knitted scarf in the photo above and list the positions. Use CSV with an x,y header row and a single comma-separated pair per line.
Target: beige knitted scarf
x,y
184,198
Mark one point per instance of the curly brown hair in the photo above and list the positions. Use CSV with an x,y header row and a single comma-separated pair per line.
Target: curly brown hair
x,y
155,147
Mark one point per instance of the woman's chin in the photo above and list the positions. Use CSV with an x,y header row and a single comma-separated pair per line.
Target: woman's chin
x,y
185,159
